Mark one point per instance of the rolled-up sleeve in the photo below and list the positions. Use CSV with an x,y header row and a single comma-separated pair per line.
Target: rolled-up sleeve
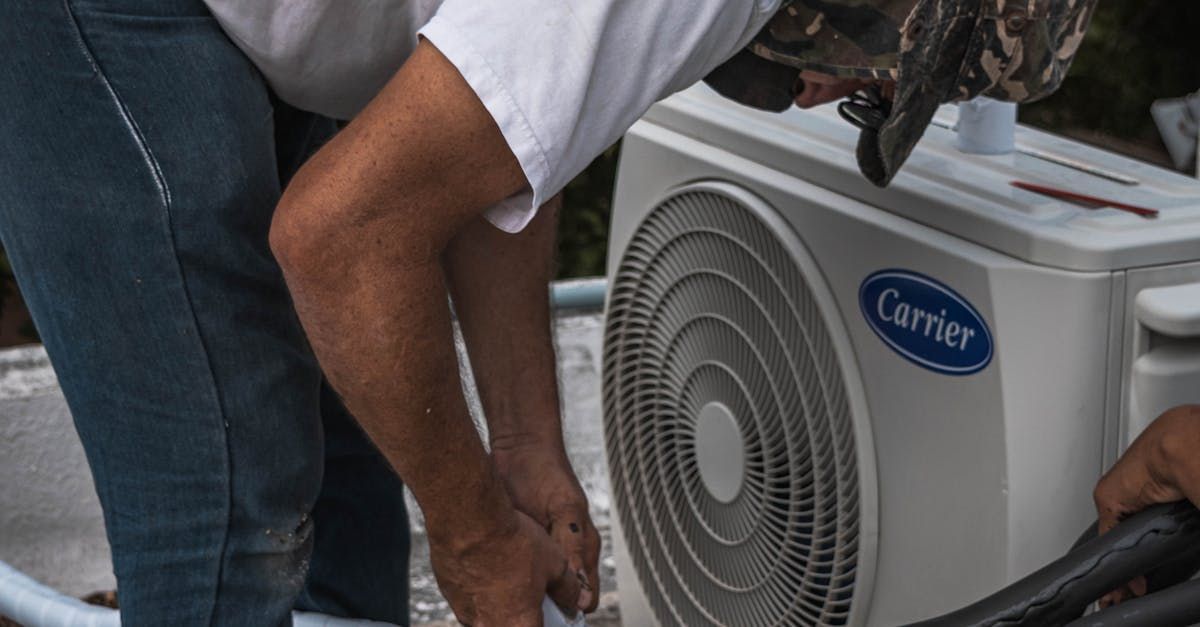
x,y
564,80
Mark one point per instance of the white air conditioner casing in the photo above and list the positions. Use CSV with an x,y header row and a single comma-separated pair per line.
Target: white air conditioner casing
x,y
745,242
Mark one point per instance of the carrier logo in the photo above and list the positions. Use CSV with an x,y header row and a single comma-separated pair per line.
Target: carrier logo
x,y
926,322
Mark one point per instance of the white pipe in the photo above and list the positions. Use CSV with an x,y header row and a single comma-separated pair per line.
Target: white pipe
x,y
579,293
32,604
309,619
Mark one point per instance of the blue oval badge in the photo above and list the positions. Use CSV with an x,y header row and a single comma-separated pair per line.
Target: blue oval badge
x,y
926,322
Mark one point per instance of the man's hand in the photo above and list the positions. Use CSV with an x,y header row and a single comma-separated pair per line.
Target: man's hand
x,y
543,486
1161,466
499,579
815,88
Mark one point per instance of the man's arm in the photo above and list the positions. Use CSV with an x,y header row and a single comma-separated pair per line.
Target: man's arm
x,y
500,285
360,233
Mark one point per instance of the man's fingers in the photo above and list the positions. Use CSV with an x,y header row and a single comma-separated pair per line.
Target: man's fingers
x,y
563,585
592,569
564,588
1107,512
576,535
1138,586
814,88
1132,590
1120,491
815,94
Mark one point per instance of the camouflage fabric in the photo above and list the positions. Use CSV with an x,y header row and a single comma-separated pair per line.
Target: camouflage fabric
x,y
936,51
847,38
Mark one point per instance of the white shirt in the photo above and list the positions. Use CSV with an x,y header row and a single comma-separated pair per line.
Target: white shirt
x,y
563,79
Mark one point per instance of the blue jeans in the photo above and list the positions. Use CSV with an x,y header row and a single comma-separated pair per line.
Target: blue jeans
x,y
142,159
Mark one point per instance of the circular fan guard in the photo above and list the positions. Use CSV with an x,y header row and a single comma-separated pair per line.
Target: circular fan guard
x,y
710,308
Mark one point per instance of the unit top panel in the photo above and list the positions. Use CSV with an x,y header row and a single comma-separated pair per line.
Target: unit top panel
x,y
971,196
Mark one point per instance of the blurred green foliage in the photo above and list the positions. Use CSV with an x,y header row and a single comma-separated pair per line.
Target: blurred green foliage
x,y
1136,51
9,296
583,223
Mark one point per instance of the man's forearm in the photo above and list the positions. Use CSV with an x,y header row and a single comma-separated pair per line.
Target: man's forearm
x,y
500,286
501,293
361,234
372,296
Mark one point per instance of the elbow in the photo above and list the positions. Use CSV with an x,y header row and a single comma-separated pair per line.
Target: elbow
x,y
323,235
298,229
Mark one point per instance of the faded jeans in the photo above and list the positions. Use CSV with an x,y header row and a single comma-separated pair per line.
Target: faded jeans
x,y
142,159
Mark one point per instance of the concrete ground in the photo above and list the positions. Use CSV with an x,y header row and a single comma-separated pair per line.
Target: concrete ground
x,y
578,339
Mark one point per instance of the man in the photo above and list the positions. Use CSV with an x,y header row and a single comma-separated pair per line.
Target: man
x,y
483,123
495,110
144,157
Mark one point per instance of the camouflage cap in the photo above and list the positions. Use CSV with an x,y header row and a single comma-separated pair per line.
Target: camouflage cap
x,y
936,51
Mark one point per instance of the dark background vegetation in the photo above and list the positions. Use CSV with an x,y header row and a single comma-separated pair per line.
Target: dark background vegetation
x,y
1136,51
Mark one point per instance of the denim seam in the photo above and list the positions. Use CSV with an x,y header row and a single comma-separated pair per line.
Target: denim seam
x,y
164,193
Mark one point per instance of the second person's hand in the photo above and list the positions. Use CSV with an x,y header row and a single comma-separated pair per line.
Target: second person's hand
x,y
1161,466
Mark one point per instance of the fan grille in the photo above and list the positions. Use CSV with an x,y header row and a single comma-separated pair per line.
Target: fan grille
x,y
708,306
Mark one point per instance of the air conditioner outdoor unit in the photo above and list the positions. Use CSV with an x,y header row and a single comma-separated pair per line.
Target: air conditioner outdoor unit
x,y
831,404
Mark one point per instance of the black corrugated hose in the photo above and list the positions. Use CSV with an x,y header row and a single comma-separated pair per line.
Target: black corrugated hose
x,y
1162,542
